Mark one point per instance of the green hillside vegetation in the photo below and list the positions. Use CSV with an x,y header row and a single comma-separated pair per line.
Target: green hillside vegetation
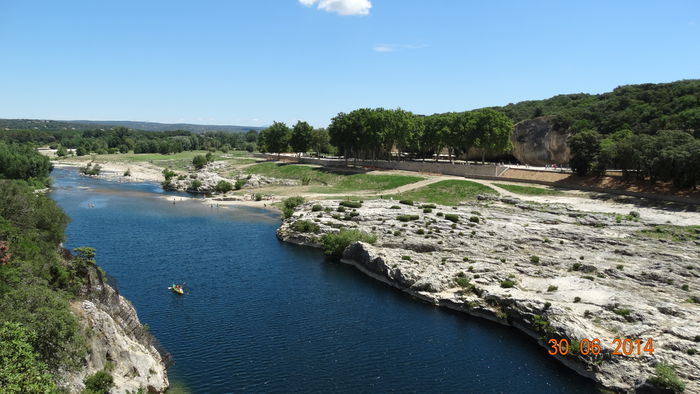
x,y
24,163
644,108
39,336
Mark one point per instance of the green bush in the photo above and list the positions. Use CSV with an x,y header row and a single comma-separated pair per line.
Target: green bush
x,y
98,383
38,308
552,288
199,161
667,379
506,284
317,208
168,174
21,370
91,169
351,204
535,259
406,258
577,299
239,184
335,244
406,202
290,204
407,218
429,206
395,207
305,226
420,231
474,219
427,210
223,187
452,217
195,184
340,209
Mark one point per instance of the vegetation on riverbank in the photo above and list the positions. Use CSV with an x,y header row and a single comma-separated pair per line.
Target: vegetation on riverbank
x,y
41,339
36,283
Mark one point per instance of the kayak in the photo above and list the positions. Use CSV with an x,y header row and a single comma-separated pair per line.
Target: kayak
x,y
178,290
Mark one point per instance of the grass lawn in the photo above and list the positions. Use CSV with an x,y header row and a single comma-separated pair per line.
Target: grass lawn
x,y
331,181
528,190
449,192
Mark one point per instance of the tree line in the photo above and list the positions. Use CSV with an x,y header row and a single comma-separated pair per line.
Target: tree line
x,y
374,133
669,155
123,140
302,137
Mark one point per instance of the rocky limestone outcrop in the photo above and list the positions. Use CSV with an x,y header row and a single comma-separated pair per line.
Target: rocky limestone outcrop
x,y
116,340
541,141
209,176
548,270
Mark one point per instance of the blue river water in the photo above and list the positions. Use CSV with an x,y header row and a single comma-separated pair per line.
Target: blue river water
x,y
260,315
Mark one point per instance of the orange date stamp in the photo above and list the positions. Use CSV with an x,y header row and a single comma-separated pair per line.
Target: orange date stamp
x,y
623,347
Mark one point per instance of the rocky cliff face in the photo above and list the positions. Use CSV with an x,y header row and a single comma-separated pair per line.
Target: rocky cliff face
x,y
541,141
549,271
116,340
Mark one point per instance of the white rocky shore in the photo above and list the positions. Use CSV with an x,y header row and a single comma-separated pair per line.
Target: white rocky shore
x,y
574,275
116,341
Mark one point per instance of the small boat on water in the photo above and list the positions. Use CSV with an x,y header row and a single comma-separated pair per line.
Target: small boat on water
x,y
177,289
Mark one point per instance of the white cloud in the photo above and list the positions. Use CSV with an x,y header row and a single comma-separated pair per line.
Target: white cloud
x,y
396,47
341,7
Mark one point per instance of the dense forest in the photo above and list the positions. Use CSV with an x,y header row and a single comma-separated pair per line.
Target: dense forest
x,y
644,109
40,336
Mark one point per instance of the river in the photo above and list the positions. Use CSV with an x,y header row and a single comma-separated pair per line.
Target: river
x,y
260,315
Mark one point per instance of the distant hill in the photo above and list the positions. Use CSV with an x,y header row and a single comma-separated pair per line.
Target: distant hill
x,y
153,126
37,124
644,108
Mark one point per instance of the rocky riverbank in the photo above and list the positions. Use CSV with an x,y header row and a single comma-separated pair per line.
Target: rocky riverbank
x,y
547,270
116,340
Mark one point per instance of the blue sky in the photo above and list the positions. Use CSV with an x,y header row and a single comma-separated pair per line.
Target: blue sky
x,y
254,61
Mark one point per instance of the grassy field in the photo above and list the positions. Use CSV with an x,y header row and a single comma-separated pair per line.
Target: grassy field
x,y
528,190
331,181
449,192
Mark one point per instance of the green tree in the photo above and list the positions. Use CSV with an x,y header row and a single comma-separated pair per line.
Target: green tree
x,y
61,151
20,369
493,132
585,147
223,187
199,161
320,141
301,138
276,138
